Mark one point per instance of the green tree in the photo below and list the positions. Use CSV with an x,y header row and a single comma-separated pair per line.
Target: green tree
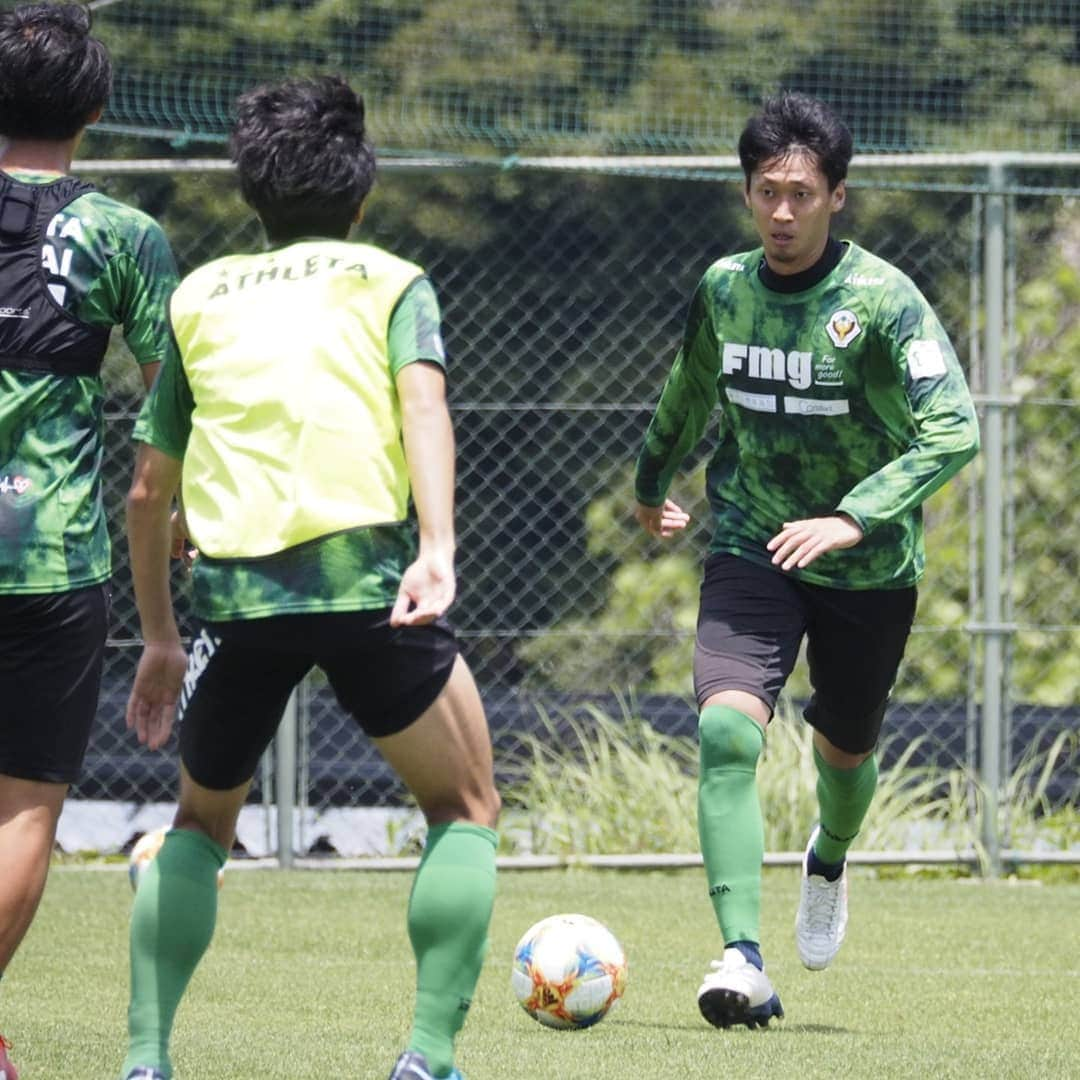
x,y
1045,586
475,76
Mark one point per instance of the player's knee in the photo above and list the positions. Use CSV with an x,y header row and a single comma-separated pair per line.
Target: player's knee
x,y
729,739
845,733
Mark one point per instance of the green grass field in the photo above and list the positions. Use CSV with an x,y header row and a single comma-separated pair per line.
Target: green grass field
x,y
310,976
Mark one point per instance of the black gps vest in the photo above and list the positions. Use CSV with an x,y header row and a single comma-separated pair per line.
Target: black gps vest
x,y
36,333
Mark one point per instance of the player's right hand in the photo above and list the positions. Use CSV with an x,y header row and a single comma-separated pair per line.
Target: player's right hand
x,y
151,708
662,521
181,543
427,590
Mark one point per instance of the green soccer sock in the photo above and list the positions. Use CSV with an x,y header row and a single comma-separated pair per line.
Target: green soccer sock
x,y
449,912
172,922
844,796
729,819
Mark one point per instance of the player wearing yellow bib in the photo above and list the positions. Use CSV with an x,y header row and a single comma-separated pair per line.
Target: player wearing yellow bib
x,y
304,406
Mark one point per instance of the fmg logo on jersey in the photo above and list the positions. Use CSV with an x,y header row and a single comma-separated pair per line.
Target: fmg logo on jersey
x,y
796,367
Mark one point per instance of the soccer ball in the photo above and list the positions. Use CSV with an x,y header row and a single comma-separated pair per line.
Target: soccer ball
x,y
569,971
143,853
145,850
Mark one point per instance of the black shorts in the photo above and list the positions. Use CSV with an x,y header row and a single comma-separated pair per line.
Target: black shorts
x,y
51,651
751,623
240,675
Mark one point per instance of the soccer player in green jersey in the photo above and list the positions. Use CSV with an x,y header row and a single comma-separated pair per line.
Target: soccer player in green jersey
x,y
73,263
305,405
842,407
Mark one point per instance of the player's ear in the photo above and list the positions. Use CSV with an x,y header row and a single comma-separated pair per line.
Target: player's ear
x,y
746,194
839,196
95,116
360,213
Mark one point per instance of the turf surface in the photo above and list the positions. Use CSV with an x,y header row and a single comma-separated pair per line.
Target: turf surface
x,y
310,976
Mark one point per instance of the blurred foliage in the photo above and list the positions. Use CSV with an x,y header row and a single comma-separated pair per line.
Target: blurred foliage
x,y
1047,477
477,76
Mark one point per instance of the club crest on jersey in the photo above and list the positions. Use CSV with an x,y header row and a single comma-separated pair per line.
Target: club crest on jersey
x,y
843,327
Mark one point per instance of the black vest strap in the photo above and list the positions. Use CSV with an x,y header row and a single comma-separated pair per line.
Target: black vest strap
x,y
18,212
36,333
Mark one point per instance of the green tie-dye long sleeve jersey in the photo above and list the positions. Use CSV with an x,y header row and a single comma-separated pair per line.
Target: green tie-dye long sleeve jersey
x,y
844,398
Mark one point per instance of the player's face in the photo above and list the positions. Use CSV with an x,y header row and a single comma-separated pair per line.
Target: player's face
x,y
792,206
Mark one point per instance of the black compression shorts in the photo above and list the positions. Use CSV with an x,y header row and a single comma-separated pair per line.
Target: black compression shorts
x,y
51,651
240,675
751,624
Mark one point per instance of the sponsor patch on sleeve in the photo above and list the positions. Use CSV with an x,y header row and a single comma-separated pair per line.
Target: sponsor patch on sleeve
x,y
925,359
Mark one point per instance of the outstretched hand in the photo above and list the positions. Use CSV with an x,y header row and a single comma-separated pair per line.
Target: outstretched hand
x,y
427,590
151,708
662,521
799,543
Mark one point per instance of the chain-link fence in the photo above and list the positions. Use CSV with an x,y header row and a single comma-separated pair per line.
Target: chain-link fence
x,y
563,296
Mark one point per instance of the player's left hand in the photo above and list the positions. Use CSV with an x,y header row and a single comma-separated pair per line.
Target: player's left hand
x,y
151,708
799,543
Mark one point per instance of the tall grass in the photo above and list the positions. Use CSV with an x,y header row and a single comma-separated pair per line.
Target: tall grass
x,y
591,783
1030,819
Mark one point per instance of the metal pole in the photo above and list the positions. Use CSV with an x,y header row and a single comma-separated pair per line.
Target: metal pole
x,y
285,781
1010,420
974,644
993,448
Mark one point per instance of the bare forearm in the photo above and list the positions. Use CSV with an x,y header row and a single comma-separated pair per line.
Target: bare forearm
x,y
150,538
429,450
149,506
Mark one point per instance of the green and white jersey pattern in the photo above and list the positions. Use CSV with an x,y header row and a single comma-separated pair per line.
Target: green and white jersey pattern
x,y
118,270
283,407
846,397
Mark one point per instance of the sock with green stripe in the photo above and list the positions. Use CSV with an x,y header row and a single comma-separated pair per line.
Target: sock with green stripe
x,y
449,912
172,922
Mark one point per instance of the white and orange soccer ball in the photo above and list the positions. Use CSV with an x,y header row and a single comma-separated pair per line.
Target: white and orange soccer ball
x,y
569,971
145,851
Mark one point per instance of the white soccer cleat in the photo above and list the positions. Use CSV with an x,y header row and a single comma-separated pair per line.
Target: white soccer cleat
x,y
821,921
736,992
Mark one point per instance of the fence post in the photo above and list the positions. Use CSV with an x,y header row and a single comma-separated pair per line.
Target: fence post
x,y
285,781
993,452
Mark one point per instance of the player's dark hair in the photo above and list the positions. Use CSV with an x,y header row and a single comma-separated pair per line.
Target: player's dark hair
x,y
53,74
304,162
791,122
